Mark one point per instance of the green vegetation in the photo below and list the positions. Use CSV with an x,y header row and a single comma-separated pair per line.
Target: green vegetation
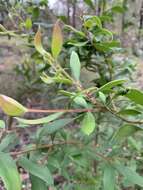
x,y
91,136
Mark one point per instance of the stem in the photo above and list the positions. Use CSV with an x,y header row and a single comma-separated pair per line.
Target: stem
x,y
9,122
35,147
60,110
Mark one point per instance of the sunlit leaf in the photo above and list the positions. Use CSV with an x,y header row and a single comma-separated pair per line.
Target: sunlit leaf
x,y
135,95
75,65
118,9
102,97
28,23
88,124
2,124
78,44
9,173
38,42
110,85
75,30
39,46
11,107
39,121
57,40
106,32
91,21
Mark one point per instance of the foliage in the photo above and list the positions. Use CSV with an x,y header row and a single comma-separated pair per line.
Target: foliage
x,y
102,150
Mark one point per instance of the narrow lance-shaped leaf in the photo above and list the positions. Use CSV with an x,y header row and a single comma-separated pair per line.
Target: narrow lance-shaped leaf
x,y
130,175
129,112
75,65
53,127
75,30
108,86
88,124
38,43
135,95
109,177
39,171
124,132
9,173
57,40
41,120
37,183
39,46
8,142
11,107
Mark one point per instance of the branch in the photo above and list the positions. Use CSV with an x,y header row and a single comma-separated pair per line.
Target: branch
x,y
36,147
60,110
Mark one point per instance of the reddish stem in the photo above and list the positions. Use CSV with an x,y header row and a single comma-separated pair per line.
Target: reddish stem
x,y
60,110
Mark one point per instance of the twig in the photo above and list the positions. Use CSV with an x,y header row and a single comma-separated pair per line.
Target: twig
x,y
35,147
60,110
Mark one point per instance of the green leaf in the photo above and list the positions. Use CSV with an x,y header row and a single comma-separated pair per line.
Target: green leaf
x,y
46,79
75,65
9,173
39,121
89,3
78,44
11,107
135,95
109,177
130,175
62,80
110,85
53,127
106,32
129,112
28,24
8,142
57,40
124,132
37,183
66,93
102,97
107,46
117,9
91,21
39,171
2,124
75,30
79,100
88,124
